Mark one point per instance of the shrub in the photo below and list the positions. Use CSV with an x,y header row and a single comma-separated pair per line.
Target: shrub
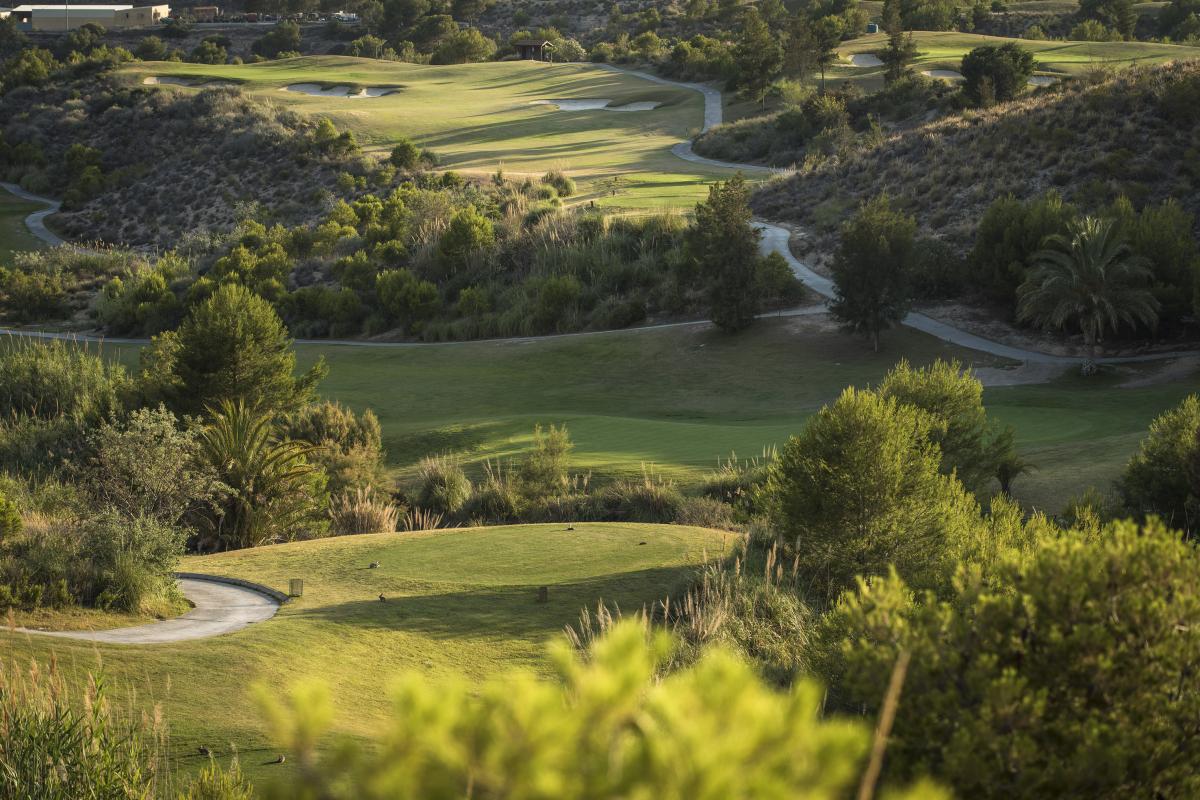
x,y
32,296
705,512
442,485
1064,675
738,483
208,52
55,379
1163,478
274,495
349,448
859,490
10,520
407,300
130,562
497,499
146,466
652,499
564,186
608,728
150,48
405,154
468,231
995,74
282,38
543,471
1009,233
360,511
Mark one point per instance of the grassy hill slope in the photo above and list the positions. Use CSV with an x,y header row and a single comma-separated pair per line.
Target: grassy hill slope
x,y
14,236
460,603
1134,134
483,117
678,400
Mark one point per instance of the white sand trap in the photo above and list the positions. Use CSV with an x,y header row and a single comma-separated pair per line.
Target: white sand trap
x,y
943,74
316,90
573,105
647,105
1043,80
168,81
865,60
596,105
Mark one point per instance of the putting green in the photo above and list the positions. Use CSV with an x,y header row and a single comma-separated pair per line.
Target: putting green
x,y
482,117
458,602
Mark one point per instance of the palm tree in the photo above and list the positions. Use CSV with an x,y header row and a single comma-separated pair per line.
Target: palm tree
x,y
269,491
1087,278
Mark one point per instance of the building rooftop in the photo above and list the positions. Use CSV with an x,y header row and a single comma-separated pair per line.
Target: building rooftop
x,y
72,7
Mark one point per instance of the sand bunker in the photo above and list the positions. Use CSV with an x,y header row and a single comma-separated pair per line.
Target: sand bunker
x,y
597,105
168,81
943,74
865,60
1043,80
316,90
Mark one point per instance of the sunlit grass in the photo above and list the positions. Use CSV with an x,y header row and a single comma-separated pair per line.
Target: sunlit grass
x,y
482,117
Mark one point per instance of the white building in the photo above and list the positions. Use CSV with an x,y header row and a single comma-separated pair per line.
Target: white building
x,y
65,17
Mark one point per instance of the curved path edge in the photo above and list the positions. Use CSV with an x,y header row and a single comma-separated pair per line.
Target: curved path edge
x,y
36,222
774,239
221,605
777,239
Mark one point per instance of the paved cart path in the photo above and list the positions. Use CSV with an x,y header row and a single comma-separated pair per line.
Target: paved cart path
x,y
219,608
774,239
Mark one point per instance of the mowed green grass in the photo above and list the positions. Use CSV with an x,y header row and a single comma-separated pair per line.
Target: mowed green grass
x,y
460,603
14,236
677,400
482,117
945,49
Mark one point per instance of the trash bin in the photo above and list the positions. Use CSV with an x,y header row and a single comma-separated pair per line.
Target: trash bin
x,y
295,587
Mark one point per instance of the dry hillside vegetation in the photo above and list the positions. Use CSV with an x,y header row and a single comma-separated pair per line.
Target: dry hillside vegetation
x,y
1134,134
171,162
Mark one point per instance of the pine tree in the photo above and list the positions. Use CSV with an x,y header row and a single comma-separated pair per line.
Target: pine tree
x,y
871,269
758,56
724,245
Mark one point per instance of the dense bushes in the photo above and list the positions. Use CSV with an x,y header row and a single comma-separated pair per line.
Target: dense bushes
x,y
539,487
435,258
102,559
1163,478
1068,674
53,392
274,493
58,743
859,490
995,74
1012,232
606,728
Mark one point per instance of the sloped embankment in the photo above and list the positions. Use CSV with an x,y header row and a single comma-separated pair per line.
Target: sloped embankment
x,y
1137,134
170,162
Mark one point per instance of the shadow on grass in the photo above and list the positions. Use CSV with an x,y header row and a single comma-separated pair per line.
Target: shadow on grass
x,y
504,611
